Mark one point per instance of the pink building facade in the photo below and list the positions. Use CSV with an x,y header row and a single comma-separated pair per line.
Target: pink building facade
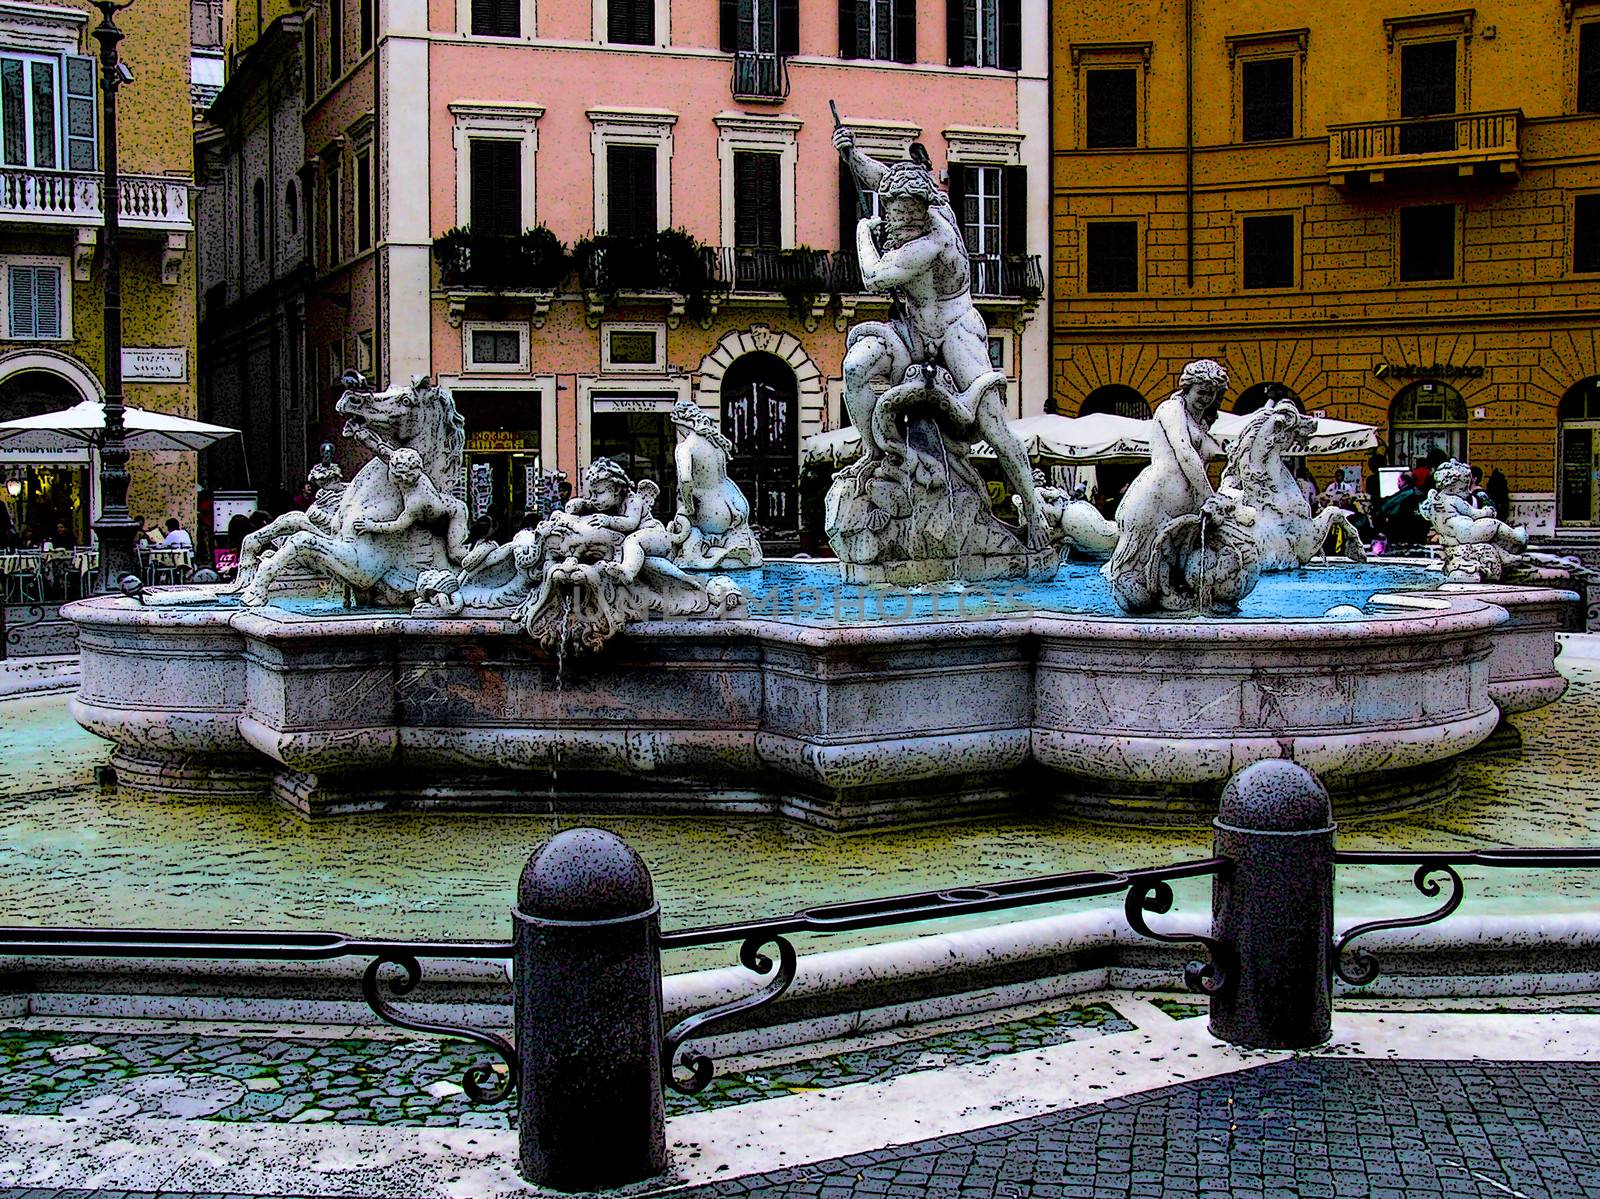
x,y
607,121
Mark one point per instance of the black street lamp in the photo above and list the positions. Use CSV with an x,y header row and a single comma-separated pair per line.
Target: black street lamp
x,y
114,526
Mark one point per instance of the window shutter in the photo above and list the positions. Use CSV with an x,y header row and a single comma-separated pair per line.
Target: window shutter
x,y
954,39
1010,35
744,186
757,209
1014,218
82,114
1589,67
496,184
905,31
631,190
730,25
788,26
958,194
849,13
849,210
20,298
47,301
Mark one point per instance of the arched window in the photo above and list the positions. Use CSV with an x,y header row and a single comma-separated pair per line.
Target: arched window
x,y
761,416
291,207
1578,433
260,194
1427,416
1253,399
1116,399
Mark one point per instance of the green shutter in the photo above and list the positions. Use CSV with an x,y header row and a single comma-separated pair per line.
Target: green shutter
x,y
82,120
20,300
46,301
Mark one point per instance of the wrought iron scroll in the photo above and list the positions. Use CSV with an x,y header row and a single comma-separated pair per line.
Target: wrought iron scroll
x,y
701,1067
1363,967
482,1082
11,633
1210,975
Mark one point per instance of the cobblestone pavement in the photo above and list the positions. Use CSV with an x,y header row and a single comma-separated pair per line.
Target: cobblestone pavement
x,y
415,1083
1301,1129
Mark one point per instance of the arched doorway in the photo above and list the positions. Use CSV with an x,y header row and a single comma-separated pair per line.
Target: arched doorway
x,y
1427,418
1112,478
761,416
54,487
1578,468
1253,399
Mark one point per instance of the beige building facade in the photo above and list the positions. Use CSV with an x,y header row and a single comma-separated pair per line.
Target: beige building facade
x,y
1390,211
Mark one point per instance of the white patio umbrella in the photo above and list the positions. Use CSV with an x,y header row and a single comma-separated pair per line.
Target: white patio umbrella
x,y
1329,437
85,424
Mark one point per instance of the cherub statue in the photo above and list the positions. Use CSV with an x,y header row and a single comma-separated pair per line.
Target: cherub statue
x,y
1073,522
712,525
1479,547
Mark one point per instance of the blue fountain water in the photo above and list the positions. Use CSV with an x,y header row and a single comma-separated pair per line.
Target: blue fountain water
x,y
806,592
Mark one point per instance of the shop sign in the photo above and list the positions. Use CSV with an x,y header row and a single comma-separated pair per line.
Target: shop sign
x,y
76,456
489,441
155,364
1435,370
634,404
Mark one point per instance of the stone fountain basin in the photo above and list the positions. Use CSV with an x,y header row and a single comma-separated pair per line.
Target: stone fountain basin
x,y
843,727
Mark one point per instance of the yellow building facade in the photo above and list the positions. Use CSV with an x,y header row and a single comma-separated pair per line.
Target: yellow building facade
x,y
51,315
1388,210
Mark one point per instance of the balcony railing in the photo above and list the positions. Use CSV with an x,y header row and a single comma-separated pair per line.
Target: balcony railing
x,y
792,272
1467,141
994,276
759,75
74,198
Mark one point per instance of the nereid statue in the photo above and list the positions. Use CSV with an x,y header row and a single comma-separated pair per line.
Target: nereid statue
x,y
1479,547
913,509
1259,476
584,572
1182,547
399,515
712,525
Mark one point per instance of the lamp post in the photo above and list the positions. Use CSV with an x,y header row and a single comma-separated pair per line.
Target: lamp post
x,y
114,526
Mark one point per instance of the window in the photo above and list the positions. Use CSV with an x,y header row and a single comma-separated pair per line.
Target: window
x,y
35,300
880,29
32,108
1267,86
333,242
496,18
364,201
991,204
1586,233
308,38
1427,88
495,204
1268,251
1426,416
757,204
1589,67
633,347
770,27
630,190
335,39
1111,108
631,22
495,346
1427,243
291,207
984,33
364,353
1111,256
366,25
259,197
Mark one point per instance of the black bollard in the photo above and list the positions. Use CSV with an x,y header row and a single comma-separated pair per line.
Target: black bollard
x,y
1274,908
586,985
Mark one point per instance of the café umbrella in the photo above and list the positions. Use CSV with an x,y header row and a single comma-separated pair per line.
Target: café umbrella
x,y
84,424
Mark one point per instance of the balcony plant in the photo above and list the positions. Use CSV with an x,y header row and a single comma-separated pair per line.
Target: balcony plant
x,y
533,260
803,276
667,260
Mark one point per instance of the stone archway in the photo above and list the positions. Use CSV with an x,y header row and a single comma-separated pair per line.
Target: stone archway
x,y
82,380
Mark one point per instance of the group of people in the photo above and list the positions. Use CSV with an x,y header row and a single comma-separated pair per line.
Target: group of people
x,y
1399,518
175,535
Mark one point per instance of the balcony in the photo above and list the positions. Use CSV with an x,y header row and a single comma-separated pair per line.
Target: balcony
x,y
1015,277
37,197
759,75
1466,143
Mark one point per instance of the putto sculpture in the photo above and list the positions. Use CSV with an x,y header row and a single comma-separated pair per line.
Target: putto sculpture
x,y
398,516
1477,545
1074,525
1182,547
583,573
712,527
1259,476
913,509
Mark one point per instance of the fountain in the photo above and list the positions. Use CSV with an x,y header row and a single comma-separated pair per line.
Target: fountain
x,y
415,671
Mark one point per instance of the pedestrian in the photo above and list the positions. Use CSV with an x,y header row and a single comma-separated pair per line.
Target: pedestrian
x,y
1480,497
1500,492
177,537
1308,485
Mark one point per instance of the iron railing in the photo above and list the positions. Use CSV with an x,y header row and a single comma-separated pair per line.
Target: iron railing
x,y
994,276
767,270
759,75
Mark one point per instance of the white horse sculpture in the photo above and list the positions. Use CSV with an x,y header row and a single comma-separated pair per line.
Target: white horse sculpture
x,y
1259,475
397,517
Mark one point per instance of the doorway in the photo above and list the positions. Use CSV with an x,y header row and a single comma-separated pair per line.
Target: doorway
x,y
761,416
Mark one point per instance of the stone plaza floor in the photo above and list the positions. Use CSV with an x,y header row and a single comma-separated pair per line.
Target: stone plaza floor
x,y
1115,1094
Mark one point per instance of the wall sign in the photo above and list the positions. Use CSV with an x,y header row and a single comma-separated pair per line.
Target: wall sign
x,y
629,404
1436,370
155,364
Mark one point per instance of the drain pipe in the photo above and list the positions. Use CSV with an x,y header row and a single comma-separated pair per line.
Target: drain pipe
x,y
1188,136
